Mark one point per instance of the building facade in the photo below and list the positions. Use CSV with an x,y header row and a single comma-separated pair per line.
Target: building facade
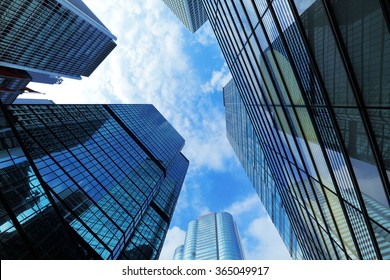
x,y
313,79
87,181
12,83
241,135
190,12
211,237
52,38
178,254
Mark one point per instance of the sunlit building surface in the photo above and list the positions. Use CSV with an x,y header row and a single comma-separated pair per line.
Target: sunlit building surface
x,y
190,12
178,255
248,149
51,38
87,181
314,83
211,237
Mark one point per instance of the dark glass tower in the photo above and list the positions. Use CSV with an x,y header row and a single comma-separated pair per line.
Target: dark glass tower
x,y
52,38
87,181
211,237
313,79
12,83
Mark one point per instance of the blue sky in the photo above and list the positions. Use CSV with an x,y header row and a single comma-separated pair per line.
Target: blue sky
x,y
157,61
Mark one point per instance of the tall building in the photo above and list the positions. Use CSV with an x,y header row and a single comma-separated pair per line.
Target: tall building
x,y
12,83
314,85
190,12
87,181
248,149
211,237
178,254
51,38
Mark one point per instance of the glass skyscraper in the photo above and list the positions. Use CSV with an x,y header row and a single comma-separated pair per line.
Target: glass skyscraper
x,y
248,149
190,12
52,37
313,82
87,181
211,237
12,83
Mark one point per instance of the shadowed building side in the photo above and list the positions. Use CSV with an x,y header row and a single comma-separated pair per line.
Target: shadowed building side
x,y
83,175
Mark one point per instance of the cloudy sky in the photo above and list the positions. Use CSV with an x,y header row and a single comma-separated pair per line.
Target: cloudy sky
x,y
157,61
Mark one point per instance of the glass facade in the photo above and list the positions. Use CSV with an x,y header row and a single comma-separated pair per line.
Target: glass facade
x,y
211,237
52,37
248,149
190,12
80,182
178,255
12,83
314,83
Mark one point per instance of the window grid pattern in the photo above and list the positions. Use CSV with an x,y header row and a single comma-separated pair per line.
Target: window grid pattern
x,y
12,83
190,12
107,191
241,136
30,227
211,237
313,100
159,136
47,36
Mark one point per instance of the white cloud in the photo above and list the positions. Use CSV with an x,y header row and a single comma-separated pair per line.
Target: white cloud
x,y
259,237
208,145
263,241
175,237
205,35
218,80
244,206
190,201
150,65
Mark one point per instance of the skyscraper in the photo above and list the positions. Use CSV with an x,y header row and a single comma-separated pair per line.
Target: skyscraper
x,y
52,38
248,149
190,12
12,83
314,85
211,237
87,181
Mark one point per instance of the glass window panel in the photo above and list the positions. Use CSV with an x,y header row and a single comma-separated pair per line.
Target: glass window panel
x,y
261,6
359,150
380,122
247,5
381,228
367,40
326,53
361,233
